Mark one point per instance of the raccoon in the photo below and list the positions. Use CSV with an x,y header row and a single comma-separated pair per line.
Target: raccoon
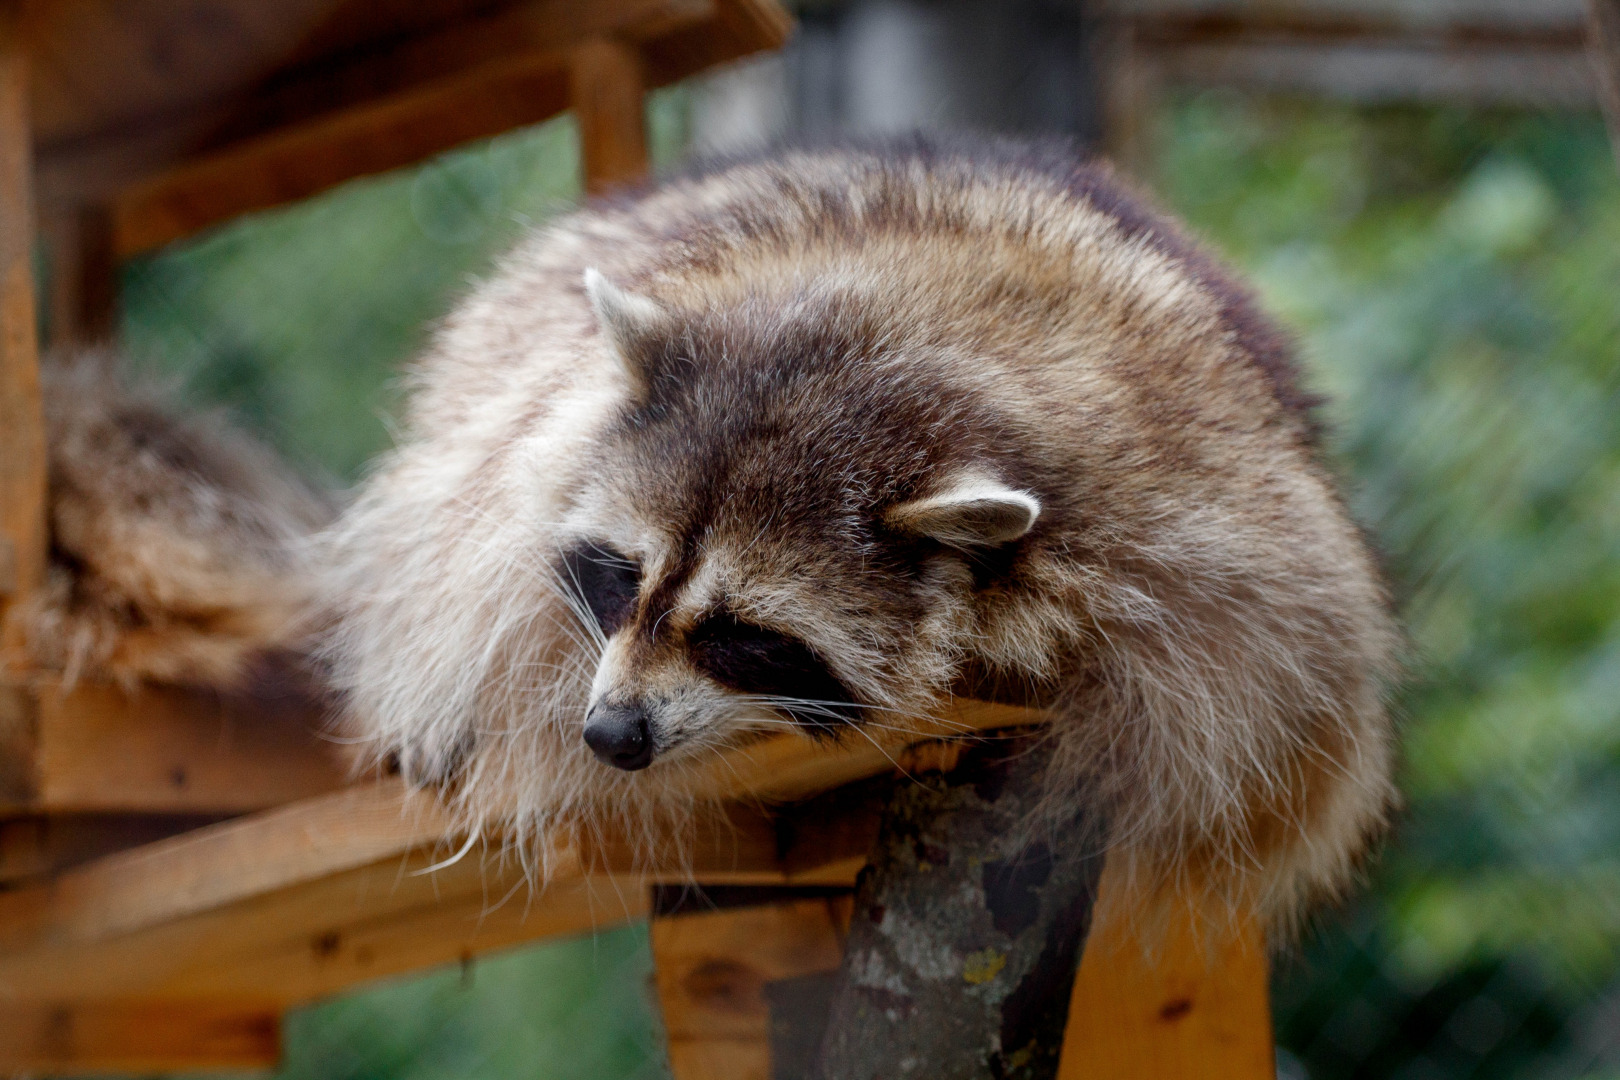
x,y
817,440
178,543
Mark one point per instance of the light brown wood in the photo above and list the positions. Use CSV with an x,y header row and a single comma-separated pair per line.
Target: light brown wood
x,y
22,430
711,969
165,750
136,1036
34,847
319,895
781,770
1193,1001
606,88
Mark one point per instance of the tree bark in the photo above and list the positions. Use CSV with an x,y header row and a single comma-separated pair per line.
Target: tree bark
x,y
967,929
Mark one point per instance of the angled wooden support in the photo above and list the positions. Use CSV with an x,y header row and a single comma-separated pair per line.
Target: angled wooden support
x,y
320,125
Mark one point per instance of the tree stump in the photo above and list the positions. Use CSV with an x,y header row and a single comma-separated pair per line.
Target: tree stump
x,y
967,929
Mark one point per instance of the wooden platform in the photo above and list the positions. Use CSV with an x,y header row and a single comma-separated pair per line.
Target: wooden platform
x,y
223,928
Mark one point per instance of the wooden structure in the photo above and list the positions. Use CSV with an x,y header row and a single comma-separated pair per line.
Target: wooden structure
x,y
180,869
177,870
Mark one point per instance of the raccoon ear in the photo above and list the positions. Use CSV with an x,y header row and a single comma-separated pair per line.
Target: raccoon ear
x,y
631,323
975,511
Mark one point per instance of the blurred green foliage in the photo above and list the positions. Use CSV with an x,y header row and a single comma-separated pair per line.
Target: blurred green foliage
x,y
1454,276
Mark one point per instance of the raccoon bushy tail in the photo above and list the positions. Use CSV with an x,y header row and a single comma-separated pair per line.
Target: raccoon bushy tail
x,y
178,544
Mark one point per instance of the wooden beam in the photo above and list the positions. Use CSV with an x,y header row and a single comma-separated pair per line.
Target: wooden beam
x,y
141,1036
289,165
102,748
366,73
606,87
1188,999
511,79
1603,47
22,425
317,896
35,847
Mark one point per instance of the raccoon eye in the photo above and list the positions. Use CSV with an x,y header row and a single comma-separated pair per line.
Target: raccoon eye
x,y
754,660
606,581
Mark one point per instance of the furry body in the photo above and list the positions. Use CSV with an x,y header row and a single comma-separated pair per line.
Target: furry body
x,y
177,543
709,491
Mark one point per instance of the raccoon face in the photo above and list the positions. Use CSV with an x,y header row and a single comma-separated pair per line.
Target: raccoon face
x,y
782,532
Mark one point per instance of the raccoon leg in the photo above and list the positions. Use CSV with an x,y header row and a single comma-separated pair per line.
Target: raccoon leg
x,y
967,931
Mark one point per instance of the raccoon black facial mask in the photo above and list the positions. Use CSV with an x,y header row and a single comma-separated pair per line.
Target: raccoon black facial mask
x,y
783,672
606,581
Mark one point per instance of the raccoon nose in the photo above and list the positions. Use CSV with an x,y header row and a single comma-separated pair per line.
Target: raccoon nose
x,y
619,736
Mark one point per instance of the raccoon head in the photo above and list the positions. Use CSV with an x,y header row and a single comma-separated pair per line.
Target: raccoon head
x,y
786,524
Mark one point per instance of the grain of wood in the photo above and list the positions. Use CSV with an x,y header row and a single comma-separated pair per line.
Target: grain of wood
x,y
144,1036
319,895
1191,1001
711,970
102,748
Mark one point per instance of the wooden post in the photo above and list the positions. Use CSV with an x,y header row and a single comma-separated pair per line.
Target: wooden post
x,y
83,278
606,85
1604,48
22,428
1192,1002
22,424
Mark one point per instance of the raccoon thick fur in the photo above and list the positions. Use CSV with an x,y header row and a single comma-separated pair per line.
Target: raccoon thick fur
x,y
178,544
808,441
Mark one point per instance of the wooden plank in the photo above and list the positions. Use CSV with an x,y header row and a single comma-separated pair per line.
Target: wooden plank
x,y
739,28
22,426
34,847
371,134
606,89
711,970
780,770
338,78
289,165
167,750
141,1036
1192,1002
1603,46
319,895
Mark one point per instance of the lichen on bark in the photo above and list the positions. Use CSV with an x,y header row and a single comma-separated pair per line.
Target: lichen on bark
x,y
967,929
